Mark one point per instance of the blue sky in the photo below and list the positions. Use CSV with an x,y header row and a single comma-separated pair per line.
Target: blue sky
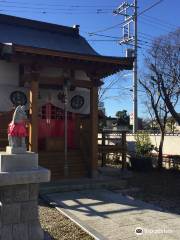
x,y
160,20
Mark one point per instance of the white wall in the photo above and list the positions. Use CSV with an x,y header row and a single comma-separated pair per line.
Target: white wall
x,y
50,95
5,92
9,73
81,75
171,143
9,82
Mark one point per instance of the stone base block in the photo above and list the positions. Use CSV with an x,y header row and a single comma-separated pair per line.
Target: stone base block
x,y
19,213
18,162
22,231
24,177
15,150
19,181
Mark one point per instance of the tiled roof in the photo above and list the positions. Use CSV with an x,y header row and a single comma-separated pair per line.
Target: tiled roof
x,y
37,34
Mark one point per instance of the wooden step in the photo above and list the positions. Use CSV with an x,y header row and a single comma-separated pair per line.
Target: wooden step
x,y
76,184
59,166
70,176
55,163
58,157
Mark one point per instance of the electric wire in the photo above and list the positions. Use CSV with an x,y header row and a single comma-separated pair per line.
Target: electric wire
x,y
56,5
139,14
152,24
159,20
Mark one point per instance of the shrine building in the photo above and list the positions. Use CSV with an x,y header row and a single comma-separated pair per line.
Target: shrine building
x,y
55,73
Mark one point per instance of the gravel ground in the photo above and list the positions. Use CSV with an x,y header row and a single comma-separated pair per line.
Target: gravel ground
x,y
60,227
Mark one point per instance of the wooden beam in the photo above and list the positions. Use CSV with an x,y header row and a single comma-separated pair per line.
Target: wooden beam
x,y
94,130
102,69
60,81
94,58
33,110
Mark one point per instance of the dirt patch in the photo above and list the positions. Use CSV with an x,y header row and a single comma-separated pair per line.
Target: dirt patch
x,y
159,188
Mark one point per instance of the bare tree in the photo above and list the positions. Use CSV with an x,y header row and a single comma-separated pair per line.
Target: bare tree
x,y
162,83
158,110
163,62
113,83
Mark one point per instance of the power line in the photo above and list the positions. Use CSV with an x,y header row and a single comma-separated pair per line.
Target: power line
x,y
120,24
106,29
71,9
128,36
56,5
160,20
102,40
146,22
150,7
58,9
54,12
162,25
102,35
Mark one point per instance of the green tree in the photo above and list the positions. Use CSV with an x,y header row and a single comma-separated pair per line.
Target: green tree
x,y
122,117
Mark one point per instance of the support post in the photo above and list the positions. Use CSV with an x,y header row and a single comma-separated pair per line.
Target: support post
x,y
135,82
77,138
94,130
128,37
66,168
123,146
33,110
103,147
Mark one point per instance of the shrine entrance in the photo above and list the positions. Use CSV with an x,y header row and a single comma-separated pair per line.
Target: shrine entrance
x,y
51,129
58,143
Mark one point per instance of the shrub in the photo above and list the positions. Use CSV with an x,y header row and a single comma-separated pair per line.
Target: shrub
x,y
141,163
142,160
143,144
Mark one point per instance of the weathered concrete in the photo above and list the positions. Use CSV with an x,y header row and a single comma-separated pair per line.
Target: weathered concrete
x,y
16,150
110,215
18,162
23,177
19,213
19,191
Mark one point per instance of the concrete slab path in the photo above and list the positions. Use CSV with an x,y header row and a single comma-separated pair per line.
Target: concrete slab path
x,y
110,215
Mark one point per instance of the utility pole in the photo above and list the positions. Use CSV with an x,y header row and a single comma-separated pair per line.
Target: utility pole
x,y
130,38
135,103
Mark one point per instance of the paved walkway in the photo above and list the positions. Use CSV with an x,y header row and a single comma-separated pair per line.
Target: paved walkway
x,y
109,215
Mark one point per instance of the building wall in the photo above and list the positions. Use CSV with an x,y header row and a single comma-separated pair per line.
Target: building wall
x,y
171,143
9,73
81,75
9,82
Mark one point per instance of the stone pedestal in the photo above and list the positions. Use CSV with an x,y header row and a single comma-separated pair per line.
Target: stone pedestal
x,y
19,184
